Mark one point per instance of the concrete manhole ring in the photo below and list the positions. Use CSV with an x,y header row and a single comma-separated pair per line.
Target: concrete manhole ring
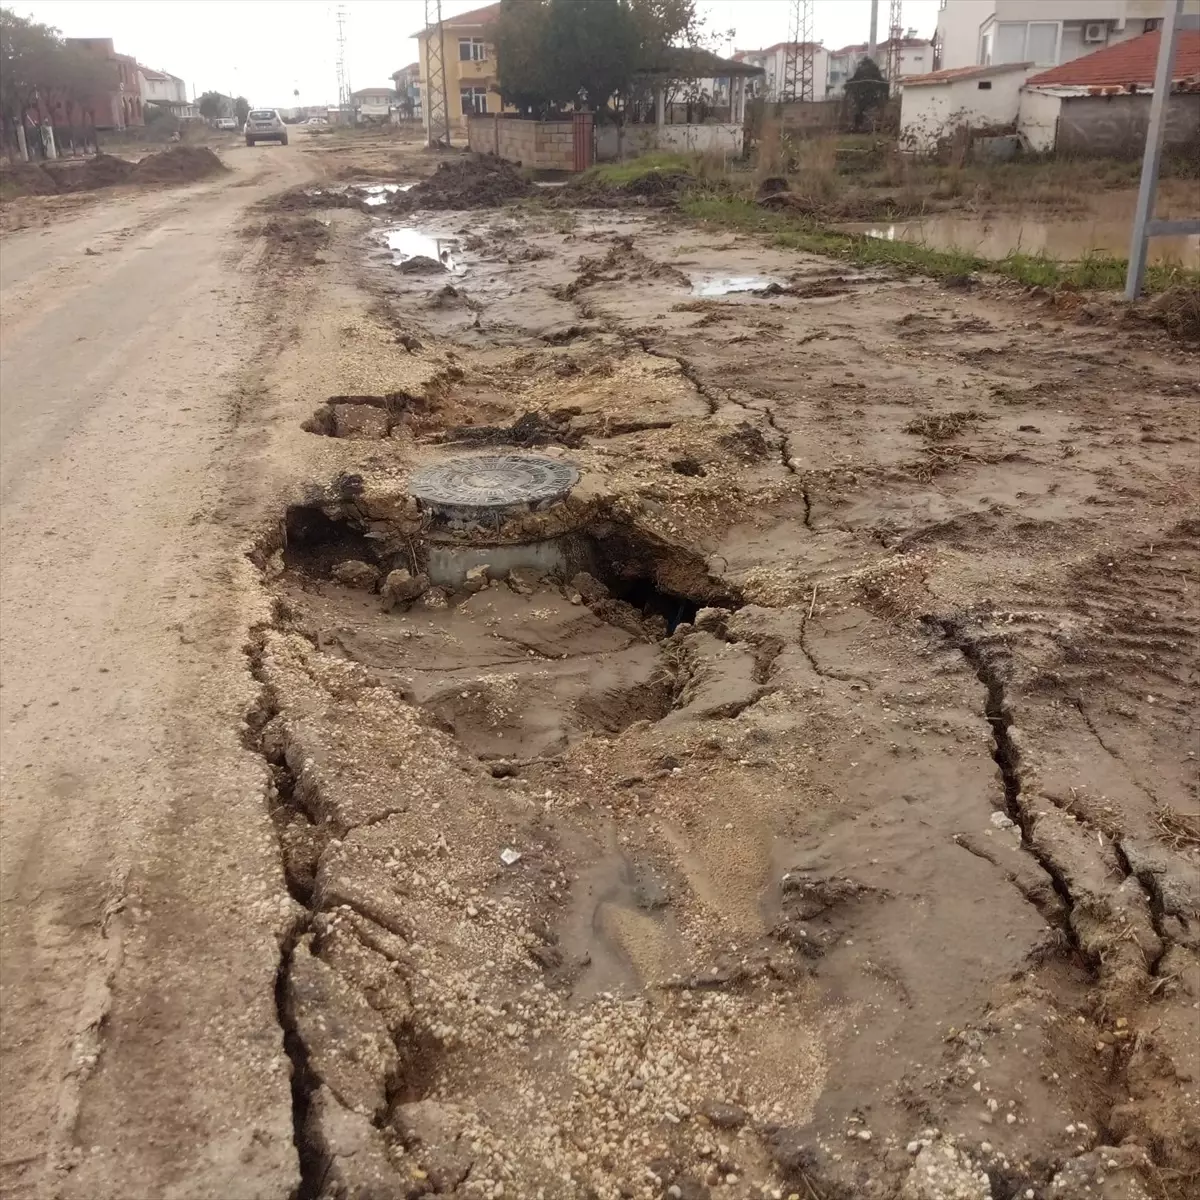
x,y
493,483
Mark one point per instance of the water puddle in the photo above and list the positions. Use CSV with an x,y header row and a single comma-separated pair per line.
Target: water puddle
x,y
378,193
724,285
413,247
997,237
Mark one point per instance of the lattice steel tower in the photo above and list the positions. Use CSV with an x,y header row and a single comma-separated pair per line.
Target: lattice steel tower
x,y
895,37
343,79
438,127
798,83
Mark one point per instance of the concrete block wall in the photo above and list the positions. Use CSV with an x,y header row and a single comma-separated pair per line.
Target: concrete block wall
x,y
1116,125
614,143
543,145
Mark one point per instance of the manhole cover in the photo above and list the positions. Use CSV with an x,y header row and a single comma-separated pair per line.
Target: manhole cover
x,y
492,485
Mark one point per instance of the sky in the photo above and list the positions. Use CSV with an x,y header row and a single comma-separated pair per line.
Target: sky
x,y
268,50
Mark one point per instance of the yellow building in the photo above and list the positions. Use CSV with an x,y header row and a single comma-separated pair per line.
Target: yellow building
x,y
470,63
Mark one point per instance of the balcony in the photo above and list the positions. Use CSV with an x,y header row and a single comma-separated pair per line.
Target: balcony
x,y
474,71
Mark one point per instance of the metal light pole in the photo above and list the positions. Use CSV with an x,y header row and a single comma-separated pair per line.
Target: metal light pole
x,y
1144,225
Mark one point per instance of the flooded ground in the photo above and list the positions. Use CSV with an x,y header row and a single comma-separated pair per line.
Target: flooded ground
x,y
1001,235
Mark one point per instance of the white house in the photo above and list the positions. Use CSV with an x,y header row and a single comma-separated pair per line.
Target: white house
x,y
773,61
1100,104
916,58
932,106
165,89
373,103
1044,32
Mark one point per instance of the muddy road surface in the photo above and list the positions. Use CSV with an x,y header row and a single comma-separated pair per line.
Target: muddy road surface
x,y
787,791
140,897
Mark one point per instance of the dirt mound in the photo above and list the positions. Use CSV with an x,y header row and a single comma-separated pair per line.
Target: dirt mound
x,y
102,171
27,179
1177,310
467,183
178,164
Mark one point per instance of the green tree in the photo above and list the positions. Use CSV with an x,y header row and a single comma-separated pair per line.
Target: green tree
x,y
553,53
211,105
36,63
524,75
594,46
866,95
241,109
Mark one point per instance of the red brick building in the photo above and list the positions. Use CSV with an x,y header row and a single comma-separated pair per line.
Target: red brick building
x,y
119,104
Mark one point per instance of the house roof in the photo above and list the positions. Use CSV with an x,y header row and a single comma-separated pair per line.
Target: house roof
x,y
862,47
149,74
373,91
785,45
959,74
411,69
477,16
690,62
1127,63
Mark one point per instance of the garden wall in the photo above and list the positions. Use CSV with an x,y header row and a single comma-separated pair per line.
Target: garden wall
x,y
543,145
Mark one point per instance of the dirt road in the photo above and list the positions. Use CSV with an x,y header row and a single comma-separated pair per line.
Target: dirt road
x,y
141,898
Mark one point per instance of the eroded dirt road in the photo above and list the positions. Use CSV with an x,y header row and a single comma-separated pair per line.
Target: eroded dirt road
x,y
828,830
141,901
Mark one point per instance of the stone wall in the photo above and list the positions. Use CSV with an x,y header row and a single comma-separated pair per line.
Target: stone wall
x,y
1116,125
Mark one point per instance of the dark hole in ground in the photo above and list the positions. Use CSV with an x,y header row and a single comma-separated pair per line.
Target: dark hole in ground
x,y
687,466
315,542
651,601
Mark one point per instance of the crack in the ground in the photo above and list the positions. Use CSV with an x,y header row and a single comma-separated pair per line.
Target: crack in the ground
x,y
1081,708
1007,757
824,672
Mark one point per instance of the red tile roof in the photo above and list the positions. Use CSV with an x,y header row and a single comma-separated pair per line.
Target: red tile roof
x,y
1128,62
955,74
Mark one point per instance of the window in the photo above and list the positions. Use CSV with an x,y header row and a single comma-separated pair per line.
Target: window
x,y
984,85
1023,41
474,101
472,50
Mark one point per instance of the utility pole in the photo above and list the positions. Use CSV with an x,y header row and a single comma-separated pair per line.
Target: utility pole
x,y
436,108
798,60
342,78
1145,226
873,40
895,36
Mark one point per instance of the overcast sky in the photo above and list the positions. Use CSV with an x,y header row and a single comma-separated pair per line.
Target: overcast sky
x,y
268,49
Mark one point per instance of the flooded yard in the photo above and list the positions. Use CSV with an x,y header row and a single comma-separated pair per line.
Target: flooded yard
x,y
1067,237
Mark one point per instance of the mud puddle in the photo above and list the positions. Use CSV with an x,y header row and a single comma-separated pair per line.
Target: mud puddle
x,y
726,285
412,248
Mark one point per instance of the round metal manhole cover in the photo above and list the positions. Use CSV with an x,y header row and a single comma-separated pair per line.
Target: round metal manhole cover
x,y
493,483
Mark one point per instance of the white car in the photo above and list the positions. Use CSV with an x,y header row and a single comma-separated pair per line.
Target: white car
x,y
225,123
265,125
316,121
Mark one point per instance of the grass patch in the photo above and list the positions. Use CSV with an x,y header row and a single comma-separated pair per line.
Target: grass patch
x,y
1094,271
620,173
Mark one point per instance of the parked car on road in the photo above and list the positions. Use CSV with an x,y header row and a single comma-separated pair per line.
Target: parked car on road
x,y
225,123
265,125
316,121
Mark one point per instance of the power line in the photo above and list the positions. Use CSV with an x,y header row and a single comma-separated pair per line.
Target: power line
x,y
438,117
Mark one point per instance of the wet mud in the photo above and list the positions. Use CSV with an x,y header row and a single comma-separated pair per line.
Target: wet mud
x,y
827,827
